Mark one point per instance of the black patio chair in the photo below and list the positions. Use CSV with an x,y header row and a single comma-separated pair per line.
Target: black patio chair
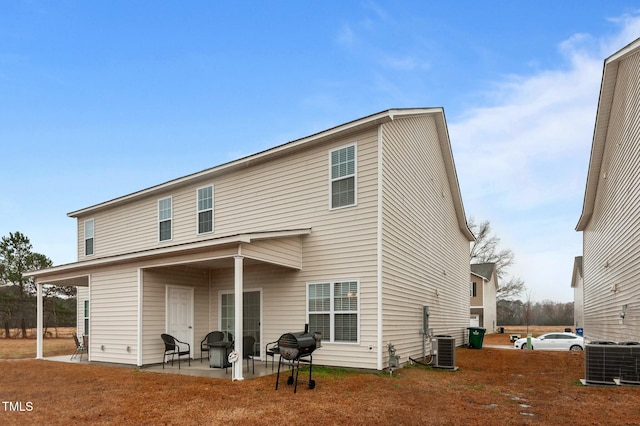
x,y
271,349
81,348
172,347
205,344
248,352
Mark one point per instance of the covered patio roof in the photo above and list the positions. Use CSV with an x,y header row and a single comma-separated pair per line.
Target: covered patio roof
x,y
280,247
207,254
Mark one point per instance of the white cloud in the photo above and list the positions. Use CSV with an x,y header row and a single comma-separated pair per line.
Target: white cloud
x,y
522,161
531,136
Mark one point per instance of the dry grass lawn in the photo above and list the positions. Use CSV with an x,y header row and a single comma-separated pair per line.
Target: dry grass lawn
x,y
491,386
18,348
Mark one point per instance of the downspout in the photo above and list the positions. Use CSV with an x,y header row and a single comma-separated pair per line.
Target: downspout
x,y
379,251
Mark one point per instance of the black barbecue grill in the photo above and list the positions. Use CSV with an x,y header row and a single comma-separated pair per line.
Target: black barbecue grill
x,y
295,348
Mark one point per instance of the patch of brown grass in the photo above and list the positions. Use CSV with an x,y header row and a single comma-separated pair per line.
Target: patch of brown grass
x,y
491,386
19,348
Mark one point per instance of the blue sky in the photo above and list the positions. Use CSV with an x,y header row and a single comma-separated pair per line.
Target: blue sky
x,y
100,99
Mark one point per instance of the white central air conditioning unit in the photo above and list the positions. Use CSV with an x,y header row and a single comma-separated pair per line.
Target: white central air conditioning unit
x,y
445,352
604,362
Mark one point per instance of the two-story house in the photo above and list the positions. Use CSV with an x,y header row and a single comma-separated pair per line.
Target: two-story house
x,y
353,230
483,289
610,220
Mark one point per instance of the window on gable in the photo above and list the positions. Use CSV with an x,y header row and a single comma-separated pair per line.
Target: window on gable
x,y
205,209
88,237
164,219
333,310
473,289
343,176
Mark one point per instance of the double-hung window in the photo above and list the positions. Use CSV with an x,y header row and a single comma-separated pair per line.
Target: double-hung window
x,y
88,237
332,308
205,209
343,176
164,219
472,289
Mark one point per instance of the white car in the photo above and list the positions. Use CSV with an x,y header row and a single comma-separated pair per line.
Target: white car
x,y
553,341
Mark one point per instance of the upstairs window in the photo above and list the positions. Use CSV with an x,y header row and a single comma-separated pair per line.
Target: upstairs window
x,y
164,219
472,289
343,177
88,237
205,209
333,310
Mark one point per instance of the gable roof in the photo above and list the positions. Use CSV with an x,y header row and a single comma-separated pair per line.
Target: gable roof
x,y
483,270
605,102
360,124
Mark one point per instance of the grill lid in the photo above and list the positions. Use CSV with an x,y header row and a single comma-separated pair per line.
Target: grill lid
x,y
295,345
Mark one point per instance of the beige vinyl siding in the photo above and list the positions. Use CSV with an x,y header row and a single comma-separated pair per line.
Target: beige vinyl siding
x,y
282,251
283,194
342,244
425,255
113,313
611,236
284,310
290,193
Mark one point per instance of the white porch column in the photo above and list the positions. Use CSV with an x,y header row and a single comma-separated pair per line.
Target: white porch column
x,y
39,329
238,317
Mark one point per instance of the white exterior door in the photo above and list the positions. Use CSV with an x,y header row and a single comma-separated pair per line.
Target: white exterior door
x,y
180,314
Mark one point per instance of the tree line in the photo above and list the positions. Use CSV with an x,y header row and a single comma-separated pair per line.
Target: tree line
x,y
18,304
547,312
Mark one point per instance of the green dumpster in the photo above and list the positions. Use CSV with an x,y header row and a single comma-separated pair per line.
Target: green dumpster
x,y
476,336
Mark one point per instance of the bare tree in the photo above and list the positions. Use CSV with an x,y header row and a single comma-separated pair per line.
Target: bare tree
x,y
486,249
511,289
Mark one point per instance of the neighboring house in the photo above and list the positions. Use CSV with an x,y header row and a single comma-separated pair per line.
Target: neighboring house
x,y
353,230
577,284
483,289
610,220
